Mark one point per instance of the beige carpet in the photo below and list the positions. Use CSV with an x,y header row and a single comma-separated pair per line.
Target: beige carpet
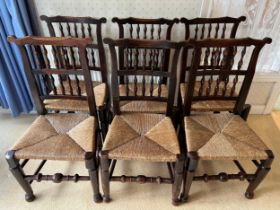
x,y
70,195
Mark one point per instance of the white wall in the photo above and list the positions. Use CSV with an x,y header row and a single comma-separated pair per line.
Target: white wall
x,y
120,8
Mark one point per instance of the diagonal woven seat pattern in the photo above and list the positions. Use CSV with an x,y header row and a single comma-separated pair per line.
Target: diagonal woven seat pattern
x,y
77,105
143,106
142,136
208,105
222,137
58,137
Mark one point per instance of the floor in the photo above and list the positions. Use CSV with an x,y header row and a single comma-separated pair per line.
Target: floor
x,y
213,195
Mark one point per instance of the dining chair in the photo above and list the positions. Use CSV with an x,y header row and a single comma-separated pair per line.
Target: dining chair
x,y
63,26
223,136
142,136
56,136
148,29
203,28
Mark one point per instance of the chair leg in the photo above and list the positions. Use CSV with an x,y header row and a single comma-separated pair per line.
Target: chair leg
x,y
92,168
99,143
102,121
105,175
260,174
189,174
182,136
108,114
19,175
170,171
178,177
99,114
110,117
246,111
105,120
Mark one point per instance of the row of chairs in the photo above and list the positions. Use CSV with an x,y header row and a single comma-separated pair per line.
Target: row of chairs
x,y
135,28
147,110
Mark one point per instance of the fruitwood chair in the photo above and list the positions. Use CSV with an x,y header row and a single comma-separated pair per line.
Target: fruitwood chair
x,y
56,136
142,136
149,29
224,136
62,26
203,28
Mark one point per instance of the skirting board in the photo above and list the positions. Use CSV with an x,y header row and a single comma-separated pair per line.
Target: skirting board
x,y
264,92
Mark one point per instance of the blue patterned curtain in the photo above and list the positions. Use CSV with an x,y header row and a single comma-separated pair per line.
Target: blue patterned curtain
x,y
14,91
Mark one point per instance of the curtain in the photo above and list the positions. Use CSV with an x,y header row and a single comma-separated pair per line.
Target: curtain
x,y
263,20
14,90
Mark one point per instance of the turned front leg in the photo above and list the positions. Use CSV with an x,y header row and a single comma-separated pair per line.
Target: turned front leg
x,y
19,175
105,175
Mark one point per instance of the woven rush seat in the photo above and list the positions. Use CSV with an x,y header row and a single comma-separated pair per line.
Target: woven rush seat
x,y
208,105
77,105
58,137
143,106
222,137
139,136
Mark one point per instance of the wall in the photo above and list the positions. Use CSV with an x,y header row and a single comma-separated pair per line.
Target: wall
x,y
119,8
264,92
265,87
277,105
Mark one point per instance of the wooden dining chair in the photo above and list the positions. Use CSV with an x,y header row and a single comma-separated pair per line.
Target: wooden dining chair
x,y
62,26
142,136
224,136
56,136
148,29
203,28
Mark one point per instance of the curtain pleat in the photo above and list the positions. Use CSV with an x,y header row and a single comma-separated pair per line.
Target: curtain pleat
x,y
14,90
263,20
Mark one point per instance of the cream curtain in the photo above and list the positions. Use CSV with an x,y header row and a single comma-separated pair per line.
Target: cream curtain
x,y
263,20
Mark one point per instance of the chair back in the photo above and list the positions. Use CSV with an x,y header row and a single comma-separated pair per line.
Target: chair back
x,y
222,69
150,29
144,81
205,28
82,27
53,56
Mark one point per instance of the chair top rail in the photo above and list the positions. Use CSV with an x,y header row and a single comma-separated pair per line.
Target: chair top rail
x,y
133,20
55,41
213,20
71,19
